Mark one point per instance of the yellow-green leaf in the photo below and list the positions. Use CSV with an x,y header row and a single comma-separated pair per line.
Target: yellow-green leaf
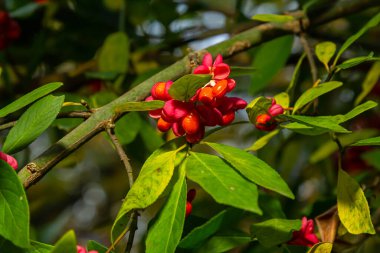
x,y
275,18
353,207
325,51
260,143
282,99
323,247
369,82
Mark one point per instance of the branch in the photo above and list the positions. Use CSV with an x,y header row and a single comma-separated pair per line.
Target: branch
x,y
238,43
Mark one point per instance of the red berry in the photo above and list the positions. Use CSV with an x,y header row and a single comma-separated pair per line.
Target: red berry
x,y
228,118
191,123
194,138
205,95
158,91
265,122
4,17
163,125
189,207
219,89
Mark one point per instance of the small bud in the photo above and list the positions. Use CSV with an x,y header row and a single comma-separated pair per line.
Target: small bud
x,y
275,110
189,208
265,122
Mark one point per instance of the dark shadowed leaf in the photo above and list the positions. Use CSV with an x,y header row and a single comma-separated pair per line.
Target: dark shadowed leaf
x,y
268,60
114,54
274,231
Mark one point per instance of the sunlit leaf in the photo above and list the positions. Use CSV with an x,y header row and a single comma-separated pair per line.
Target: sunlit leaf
x,y
222,182
32,123
325,51
67,243
14,210
353,207
282,99
274,231
253,168
185,87
154,177
93,245
325,122
356,61
323,247
165,233
29,98
314,92
260,143
369,82
275,18
375,141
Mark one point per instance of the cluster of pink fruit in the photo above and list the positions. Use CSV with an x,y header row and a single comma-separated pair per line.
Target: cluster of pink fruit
x,y
208,107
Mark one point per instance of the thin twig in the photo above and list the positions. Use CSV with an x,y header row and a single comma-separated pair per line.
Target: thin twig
x,y
341,149
7,125
120,151
309,55
132,223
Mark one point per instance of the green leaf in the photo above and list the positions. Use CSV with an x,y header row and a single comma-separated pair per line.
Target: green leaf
x,y
25,10
374,21
260,143
154,176
186,86
356,111
375,141
29,98
127,127
66,244
93,245
32,123
140,106
325,122
198,235
356,61
275,18
369,82
222,182
102,98
305,129
274,231
353,208
314,92
14,210
166,232
268,66
253,168
220,244
114,54
282,99
38,247
325,51
323,247
330,146
372,158
241,71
